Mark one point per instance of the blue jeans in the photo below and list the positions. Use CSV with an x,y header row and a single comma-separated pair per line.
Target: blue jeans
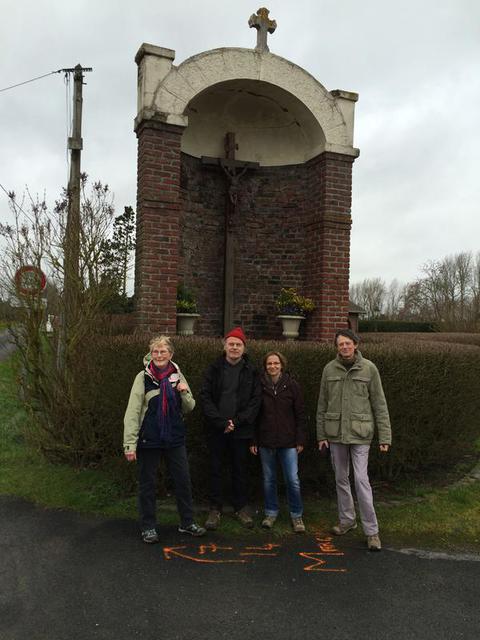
x,y
289,460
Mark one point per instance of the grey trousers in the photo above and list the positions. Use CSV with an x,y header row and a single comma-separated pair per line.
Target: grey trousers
x,y
341,454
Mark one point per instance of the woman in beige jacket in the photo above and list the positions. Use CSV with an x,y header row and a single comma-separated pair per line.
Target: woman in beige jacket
x,y
154,427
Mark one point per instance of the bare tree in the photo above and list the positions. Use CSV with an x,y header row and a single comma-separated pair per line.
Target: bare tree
x,y
37,239
394,300
447,293
370,295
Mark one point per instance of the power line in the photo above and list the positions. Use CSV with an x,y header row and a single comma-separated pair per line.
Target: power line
x,y
32,80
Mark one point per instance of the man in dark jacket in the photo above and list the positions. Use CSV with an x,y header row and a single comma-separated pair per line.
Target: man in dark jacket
x,y
230,397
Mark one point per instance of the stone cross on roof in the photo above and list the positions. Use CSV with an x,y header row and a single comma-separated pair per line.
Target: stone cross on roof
x,y
261,22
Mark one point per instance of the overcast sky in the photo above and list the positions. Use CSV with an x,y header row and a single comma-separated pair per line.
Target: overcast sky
x,y
415,65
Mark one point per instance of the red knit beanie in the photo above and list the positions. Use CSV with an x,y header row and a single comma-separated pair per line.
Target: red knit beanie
x,y
237,332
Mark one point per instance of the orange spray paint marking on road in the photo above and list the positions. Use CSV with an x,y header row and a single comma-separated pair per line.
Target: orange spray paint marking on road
x,y
257,551
204,548
327,548
214,554
170,552
318,563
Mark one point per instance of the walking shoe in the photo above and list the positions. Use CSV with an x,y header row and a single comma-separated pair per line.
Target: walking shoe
x,y
268,522
297,524
150,536
341,529
213,520
193,530
245,518
373,543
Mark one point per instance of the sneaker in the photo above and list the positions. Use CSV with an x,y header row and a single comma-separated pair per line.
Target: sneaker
x,y
373,543
341,529
150,536
193,530
213,520
268,522
298,526
245,518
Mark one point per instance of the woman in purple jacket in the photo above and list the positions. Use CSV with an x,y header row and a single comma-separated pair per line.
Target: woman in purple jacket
x,y
280,433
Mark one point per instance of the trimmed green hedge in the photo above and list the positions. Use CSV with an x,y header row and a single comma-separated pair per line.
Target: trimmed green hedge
x,y
405,338
431,389
394,326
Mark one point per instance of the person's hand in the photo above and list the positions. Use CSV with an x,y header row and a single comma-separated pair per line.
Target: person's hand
x,y
254,449
131,456
384,448
299,448
181,386
230,427
323,444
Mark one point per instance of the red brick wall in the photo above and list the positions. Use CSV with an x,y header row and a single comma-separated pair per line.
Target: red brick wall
x,y
269,249
292,229
158,213
328,243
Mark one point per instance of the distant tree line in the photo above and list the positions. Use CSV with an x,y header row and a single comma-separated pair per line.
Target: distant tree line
x,y
446,293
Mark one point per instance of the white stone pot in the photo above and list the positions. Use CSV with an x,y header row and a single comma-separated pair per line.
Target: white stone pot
x,y
290,325
186,323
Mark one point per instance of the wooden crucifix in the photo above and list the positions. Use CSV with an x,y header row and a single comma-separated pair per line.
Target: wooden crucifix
x,y
234,170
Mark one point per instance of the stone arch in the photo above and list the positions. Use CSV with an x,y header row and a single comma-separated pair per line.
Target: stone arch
x,y
167,92
272,127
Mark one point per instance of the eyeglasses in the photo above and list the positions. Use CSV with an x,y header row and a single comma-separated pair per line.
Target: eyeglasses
x,y
160,352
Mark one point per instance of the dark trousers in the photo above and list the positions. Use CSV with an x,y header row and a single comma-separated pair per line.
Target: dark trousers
x,y
222,446
177,463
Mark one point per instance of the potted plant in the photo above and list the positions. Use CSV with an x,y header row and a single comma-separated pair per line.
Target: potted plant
x,y
292,308
186,311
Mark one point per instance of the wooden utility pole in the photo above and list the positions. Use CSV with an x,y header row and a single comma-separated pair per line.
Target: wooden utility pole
x,y
72,233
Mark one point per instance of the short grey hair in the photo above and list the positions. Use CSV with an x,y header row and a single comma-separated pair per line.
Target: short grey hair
x,y
161,340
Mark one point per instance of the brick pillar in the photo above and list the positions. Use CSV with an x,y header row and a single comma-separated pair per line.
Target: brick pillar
x,y
328,255
158,212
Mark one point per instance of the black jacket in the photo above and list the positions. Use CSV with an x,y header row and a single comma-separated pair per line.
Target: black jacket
x,y
248,398
281,422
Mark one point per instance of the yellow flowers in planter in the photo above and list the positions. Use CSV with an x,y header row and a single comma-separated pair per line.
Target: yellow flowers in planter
x,y
291,303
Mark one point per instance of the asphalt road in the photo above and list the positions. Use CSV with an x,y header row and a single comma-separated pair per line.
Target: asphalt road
x,y
67,576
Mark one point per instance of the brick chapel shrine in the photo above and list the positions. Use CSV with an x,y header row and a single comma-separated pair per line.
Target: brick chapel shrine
x,y
244,187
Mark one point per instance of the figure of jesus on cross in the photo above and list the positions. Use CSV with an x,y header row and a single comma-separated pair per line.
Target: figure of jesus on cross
x,y
234,170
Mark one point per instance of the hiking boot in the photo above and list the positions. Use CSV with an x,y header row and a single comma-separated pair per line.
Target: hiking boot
x,y
150,536
192,530
341,529
268,522
298,526
213,520
244,517
373,543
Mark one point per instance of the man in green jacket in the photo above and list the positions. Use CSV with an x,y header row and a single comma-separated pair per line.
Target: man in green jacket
x,y
351,406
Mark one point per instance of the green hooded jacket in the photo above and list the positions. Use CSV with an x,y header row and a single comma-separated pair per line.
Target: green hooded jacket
x,y
351,404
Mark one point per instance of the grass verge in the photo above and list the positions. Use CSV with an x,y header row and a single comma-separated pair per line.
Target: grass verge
x,y
428,518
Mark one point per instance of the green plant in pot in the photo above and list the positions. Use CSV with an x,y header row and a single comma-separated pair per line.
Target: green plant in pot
x,y
292,309
186,311
186,302
291,303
